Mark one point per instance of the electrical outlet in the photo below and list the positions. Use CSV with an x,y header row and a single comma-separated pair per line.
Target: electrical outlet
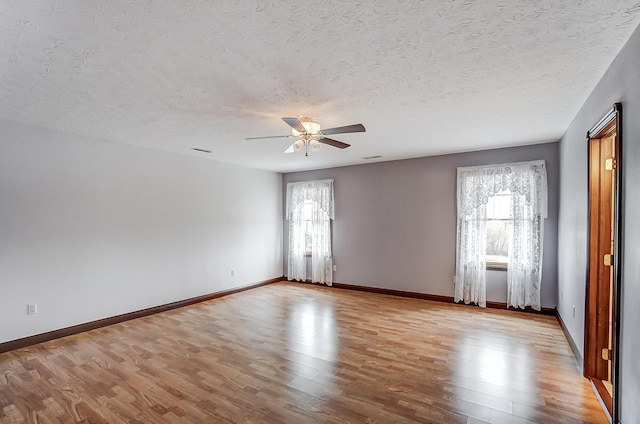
x,y
233,273
32,309
335,267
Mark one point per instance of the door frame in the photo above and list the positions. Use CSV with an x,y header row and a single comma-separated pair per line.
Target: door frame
x,y
590,355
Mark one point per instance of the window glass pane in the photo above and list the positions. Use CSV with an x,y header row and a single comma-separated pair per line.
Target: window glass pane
x,y
308,237
498,235
498,227
308,210
308,217
499,206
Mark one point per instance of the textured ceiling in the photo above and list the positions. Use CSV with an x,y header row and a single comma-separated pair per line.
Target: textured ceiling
x,y
424,77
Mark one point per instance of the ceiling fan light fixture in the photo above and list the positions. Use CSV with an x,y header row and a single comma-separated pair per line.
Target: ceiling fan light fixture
x,y
314,145
298,145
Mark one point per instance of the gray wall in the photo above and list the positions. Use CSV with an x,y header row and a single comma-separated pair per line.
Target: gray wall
x,y
90,229
621,83
395,223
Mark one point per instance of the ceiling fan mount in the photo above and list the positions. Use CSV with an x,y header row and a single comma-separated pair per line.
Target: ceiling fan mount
x,y
311,136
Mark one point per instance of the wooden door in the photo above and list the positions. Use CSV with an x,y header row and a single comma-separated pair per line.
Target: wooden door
x,y
601,285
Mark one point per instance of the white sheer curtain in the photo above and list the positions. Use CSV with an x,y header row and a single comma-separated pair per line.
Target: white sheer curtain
x,y
528,211
527,182
470,283
320,193
297,243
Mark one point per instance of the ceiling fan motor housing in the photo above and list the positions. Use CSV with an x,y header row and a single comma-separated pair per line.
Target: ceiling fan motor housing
x,y
311,128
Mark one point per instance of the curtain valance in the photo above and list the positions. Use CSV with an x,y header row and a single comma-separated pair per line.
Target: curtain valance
x,y
477,184
319,191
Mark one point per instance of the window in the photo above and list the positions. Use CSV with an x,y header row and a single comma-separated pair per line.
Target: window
x,y
309,212
500,214
499,230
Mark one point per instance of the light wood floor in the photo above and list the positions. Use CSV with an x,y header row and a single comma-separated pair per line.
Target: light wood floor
x,y
296,353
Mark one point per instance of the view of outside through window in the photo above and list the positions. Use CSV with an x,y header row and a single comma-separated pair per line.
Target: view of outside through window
x,y
499,228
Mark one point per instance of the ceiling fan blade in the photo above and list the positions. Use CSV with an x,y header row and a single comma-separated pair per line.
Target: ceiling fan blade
x,y
269,136
295,124
341,130
334,143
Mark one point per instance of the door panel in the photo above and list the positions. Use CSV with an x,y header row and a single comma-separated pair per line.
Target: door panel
x,y
600,307
601,219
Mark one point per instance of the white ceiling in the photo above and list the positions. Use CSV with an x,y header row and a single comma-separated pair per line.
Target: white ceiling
x,y
424,77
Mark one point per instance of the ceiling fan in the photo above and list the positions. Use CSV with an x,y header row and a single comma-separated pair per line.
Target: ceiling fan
x,y
310,136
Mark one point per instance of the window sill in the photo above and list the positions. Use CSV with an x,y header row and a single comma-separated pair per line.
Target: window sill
x,y
496,266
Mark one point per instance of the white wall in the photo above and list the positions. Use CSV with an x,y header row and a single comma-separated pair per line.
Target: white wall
x,y
90,229
621,83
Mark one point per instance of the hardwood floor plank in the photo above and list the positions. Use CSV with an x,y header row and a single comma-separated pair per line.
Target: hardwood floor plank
x,y
298,353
